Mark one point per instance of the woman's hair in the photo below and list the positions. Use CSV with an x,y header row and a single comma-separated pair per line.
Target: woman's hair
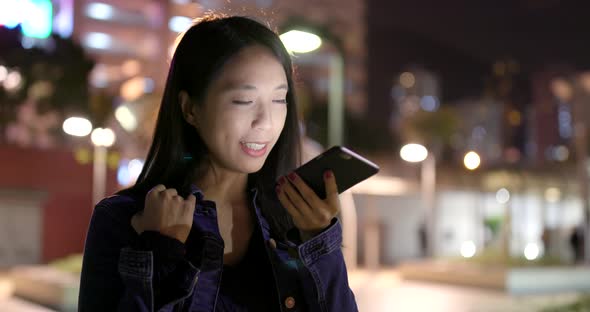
x,y
177,150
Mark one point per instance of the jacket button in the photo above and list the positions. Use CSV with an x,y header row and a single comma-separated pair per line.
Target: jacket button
x,y
290,302
272,243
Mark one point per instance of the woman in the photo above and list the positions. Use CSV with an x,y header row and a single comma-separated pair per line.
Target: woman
x,y
204,228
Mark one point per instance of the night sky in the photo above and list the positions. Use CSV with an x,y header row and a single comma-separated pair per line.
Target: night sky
x,y
461,39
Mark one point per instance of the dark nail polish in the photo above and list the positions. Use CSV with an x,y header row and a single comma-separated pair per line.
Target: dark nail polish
x,y
282,181
328,174
292,176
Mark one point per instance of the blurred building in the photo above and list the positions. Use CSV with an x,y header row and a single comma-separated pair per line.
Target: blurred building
x,y
480,129
551,127
131,41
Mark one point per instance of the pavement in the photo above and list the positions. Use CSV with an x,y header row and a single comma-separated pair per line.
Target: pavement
x,y
385,291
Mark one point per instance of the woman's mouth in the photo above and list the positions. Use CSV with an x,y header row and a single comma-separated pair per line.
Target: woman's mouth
x,y
254,149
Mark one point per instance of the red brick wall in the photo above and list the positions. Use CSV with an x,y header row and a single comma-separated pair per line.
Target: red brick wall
x,y
67,208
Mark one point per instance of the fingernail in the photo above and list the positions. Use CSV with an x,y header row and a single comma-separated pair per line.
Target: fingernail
x,y
282,181
328,174
292,176
278,189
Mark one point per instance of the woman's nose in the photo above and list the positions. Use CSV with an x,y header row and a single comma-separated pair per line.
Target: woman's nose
x,y
263,118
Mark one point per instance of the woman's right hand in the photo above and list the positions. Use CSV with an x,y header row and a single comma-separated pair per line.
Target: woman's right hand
x,y
166,212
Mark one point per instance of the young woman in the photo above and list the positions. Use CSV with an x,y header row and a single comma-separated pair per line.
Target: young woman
x,y
207,227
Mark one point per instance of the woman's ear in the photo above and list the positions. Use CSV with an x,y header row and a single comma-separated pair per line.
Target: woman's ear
x,y
188,109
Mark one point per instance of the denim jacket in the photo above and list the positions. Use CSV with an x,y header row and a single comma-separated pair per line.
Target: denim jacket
x,y
116,276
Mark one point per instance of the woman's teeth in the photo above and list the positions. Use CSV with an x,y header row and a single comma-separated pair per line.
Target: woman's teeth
x,y
255,146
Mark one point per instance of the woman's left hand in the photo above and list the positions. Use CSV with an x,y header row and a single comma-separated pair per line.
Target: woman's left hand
x,y
310,213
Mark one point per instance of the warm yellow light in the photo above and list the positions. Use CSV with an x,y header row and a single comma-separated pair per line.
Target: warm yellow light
x,y
471,160
131,67
407,80
413,152
300,41
77,126
103,137
552,194
515,118
562,89
82,156
126,118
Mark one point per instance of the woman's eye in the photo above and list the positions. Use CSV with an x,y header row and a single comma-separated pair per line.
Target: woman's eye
x,y
283,101
241,102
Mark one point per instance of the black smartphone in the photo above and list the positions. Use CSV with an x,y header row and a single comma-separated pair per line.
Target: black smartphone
x,y
348,167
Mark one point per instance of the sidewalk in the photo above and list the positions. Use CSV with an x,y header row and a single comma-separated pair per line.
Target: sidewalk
x,y
385,291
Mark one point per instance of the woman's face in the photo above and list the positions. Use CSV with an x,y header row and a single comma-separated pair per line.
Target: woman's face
x,y
244,110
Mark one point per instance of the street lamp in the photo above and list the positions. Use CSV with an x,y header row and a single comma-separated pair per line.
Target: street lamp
x,y
418,153
300,41
102,138
77,126
301,38
471,160
413,152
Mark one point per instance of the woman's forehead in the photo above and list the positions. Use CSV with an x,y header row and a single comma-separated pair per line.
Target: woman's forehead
x,y
249,73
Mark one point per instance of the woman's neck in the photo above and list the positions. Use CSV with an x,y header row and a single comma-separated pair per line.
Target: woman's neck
x,y
223,187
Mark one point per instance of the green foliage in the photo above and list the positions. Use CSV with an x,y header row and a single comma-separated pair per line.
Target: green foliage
x,y
60,62
493,223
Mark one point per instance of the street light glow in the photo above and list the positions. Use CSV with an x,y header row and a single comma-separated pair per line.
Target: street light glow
x,y
103,137
126,118
3,73
552,195
471,160
179,23
77,126
407,80
468,249
13,81
300,41
531,251
502,196
413,152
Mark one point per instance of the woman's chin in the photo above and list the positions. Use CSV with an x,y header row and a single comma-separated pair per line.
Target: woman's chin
x,y
253,168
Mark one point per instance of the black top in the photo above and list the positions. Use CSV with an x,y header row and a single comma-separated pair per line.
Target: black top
x,y
249,285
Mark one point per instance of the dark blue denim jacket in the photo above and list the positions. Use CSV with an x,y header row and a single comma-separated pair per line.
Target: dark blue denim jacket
x,y
116,276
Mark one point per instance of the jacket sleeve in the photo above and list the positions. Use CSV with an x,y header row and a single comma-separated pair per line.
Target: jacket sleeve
x,y
324,266
140,277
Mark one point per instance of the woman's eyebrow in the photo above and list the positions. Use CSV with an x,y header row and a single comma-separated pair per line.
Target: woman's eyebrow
x,y
282,87
247,87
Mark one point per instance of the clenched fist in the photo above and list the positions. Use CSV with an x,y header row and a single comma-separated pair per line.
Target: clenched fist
x,y
166,212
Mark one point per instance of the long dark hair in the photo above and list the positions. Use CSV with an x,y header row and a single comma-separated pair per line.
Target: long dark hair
x,y
177,150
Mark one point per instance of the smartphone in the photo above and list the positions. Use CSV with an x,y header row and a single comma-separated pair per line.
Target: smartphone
x,y
348,167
